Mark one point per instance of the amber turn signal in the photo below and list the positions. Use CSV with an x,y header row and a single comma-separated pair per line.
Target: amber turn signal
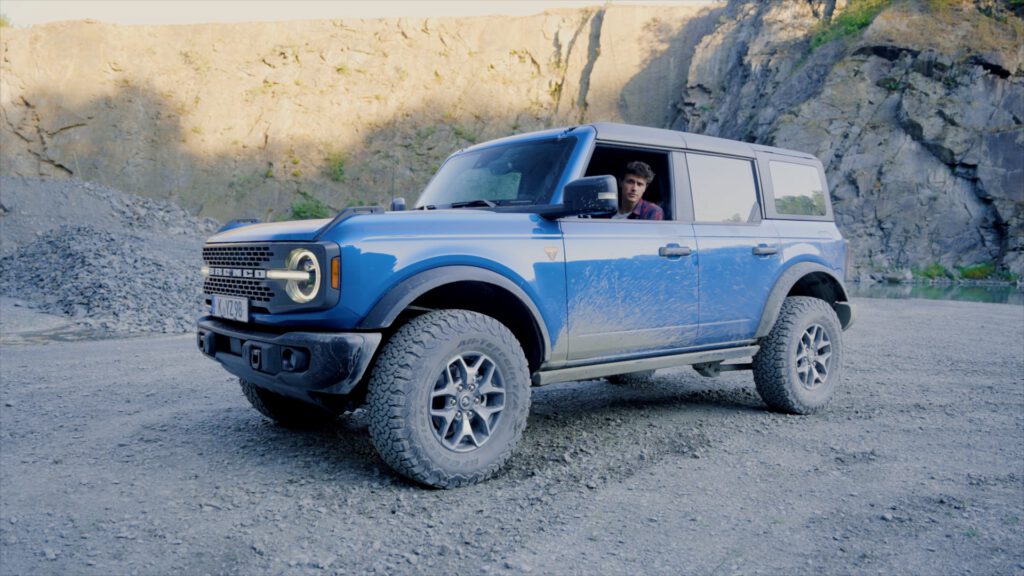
x,y
336,272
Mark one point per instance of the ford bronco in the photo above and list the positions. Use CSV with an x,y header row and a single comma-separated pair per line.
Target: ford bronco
x,y
510,273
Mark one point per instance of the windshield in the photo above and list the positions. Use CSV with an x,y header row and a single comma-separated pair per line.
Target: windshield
x,y
518,173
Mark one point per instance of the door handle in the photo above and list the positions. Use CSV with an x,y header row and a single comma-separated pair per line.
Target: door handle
x,y
673,251
765,250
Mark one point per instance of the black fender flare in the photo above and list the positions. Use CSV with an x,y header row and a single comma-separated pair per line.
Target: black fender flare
x,y
786,282
387,309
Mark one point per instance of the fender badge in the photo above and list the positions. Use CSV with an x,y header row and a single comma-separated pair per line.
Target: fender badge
x,y
552,252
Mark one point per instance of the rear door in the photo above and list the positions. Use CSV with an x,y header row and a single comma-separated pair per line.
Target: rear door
x,y
739,250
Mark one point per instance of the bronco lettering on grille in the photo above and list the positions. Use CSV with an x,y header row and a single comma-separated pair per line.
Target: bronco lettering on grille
x,y
238,273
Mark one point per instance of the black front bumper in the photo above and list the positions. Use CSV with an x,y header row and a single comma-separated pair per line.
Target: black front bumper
x,y
294,363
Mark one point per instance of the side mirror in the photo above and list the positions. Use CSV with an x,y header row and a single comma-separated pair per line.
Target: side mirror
x,y
590,196
397,204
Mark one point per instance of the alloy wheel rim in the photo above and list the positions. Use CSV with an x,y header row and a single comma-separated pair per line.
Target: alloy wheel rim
x,y
813,357
467,402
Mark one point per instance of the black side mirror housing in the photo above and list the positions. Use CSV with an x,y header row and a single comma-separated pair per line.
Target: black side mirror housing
x,y
589,196
397,204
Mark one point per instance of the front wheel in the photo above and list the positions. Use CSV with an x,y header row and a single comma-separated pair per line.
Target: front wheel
x,y
449,397
799,364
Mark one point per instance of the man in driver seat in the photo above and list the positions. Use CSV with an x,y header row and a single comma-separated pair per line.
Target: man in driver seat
x,y
631,194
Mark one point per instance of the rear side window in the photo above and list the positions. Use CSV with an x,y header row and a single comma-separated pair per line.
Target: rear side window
x,y
723,189
797,188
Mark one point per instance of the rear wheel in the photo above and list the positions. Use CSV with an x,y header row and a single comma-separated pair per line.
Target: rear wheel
x,y
288,412
449,397
799,364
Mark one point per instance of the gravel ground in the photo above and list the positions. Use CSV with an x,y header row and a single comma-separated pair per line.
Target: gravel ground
x,y
139,456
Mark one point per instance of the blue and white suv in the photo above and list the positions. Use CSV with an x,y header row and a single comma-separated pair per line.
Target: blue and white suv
x,y
511,273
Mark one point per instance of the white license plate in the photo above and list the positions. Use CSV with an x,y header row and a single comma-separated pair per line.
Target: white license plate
x,y
230,307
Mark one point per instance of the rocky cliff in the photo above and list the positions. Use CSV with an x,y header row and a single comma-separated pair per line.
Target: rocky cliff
x,y
918,120
917,117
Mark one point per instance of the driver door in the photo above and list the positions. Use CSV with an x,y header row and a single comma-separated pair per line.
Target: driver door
x,y
631,286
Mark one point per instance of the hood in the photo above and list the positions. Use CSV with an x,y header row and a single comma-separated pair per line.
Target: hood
x,y
298,230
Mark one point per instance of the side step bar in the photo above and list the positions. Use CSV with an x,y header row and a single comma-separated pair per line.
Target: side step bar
x,y
625,366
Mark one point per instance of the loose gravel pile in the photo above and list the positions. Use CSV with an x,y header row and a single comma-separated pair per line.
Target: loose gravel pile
x,y
110,261
103,280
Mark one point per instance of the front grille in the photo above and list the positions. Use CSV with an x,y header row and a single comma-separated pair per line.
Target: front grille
x,y
254,290
240,258
237,256
239,270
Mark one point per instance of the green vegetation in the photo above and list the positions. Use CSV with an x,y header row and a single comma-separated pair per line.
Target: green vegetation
x,y
982,271
242,184
335,167
891,84
306,207
939,5
466,134
4,21
195,60
857,16
555,91
425,132
932,271
358,202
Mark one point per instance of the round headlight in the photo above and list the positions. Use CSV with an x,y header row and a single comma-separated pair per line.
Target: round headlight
x,y
302,291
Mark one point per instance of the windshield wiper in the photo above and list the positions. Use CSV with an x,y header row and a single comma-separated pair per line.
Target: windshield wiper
x,y
472,203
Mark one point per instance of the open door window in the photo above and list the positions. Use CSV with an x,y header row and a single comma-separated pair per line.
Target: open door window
x,y
612,160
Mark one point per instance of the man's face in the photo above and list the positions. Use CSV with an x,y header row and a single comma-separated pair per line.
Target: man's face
x,y
633,188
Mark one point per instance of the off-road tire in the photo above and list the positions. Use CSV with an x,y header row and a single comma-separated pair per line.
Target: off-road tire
x,y
288,412
632,378
788,377
413,373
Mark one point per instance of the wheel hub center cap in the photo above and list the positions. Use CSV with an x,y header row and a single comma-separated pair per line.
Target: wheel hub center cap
x,y
465,401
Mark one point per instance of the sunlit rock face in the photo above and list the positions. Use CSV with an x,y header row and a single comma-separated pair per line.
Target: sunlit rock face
x,y
917,117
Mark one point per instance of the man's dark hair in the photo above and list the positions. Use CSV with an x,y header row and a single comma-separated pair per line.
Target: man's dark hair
x,y
640,169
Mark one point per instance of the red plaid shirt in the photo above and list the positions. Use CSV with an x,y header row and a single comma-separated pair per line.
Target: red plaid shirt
x,y
645,210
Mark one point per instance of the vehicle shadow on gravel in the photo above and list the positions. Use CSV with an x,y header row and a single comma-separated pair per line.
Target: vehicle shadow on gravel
x,y
240,438
588,433
598,432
